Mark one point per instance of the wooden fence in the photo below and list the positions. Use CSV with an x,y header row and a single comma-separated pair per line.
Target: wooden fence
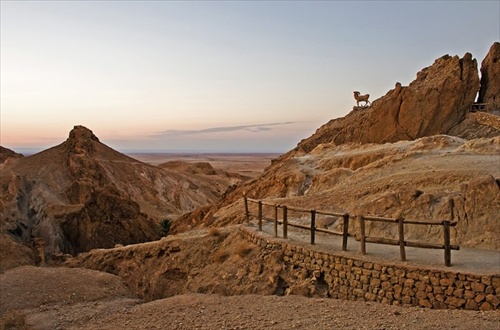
x,y
284,220
401,222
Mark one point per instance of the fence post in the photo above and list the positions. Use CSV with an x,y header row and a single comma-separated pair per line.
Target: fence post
x,y
447,246
247,214
275,220
285,222
363,235
313,226
402,238
260,215
452,205
345,233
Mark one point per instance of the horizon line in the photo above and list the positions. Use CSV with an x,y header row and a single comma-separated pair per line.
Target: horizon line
x,y
32,151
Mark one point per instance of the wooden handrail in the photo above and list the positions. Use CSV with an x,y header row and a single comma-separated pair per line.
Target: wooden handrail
x,y
391,241
312,227
400,221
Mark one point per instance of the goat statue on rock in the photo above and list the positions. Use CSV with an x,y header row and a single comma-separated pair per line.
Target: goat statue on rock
x,y
361,98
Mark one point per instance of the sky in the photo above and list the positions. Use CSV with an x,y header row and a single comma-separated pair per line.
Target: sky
x,y
215,76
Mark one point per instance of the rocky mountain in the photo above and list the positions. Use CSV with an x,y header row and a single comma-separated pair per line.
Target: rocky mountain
x,y
409,154
82,195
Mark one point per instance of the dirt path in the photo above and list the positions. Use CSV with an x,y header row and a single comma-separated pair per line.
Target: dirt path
x,y
465,260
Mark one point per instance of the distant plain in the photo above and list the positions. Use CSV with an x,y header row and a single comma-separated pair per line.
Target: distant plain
x,y
247,164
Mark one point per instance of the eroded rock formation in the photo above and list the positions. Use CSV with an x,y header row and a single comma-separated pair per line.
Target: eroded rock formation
x,y
490,78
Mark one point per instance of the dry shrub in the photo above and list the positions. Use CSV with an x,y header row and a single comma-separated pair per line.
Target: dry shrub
x,y
14,319
243,249
214,231
220,255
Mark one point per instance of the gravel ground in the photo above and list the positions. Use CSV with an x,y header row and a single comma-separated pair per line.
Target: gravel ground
x,y
197,311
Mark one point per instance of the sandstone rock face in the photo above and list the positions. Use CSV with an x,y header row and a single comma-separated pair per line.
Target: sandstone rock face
x,y
477,125
435,102
479,195
490,78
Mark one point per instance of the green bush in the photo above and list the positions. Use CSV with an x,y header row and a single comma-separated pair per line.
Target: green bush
x,y
165,227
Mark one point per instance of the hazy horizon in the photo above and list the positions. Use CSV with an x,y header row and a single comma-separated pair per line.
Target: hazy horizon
x,y
32,151
238,77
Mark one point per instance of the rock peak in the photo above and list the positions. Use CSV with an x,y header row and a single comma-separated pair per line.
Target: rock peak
x,y
82,133
81,141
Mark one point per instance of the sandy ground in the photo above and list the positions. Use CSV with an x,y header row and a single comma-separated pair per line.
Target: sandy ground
x,y
63,298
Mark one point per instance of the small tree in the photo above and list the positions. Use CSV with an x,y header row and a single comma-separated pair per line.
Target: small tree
x,y
165,227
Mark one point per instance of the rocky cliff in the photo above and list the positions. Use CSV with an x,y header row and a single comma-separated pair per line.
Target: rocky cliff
x,y
435,102
490,78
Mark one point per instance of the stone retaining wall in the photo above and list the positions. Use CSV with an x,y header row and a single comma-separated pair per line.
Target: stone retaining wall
x,y
354,279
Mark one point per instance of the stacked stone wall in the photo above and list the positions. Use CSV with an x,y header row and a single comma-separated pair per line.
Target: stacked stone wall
x,y
354,279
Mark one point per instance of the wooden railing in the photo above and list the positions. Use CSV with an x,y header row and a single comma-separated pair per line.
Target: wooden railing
x,y
401,222
284,220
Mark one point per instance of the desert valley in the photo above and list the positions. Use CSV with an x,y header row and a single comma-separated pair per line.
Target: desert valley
x,y
92,238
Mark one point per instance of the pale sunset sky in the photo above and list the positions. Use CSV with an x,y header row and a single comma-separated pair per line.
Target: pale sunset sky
x,y
215,76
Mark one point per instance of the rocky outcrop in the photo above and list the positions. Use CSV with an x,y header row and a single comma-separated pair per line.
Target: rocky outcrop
x,y
212,262
490,78
435,102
